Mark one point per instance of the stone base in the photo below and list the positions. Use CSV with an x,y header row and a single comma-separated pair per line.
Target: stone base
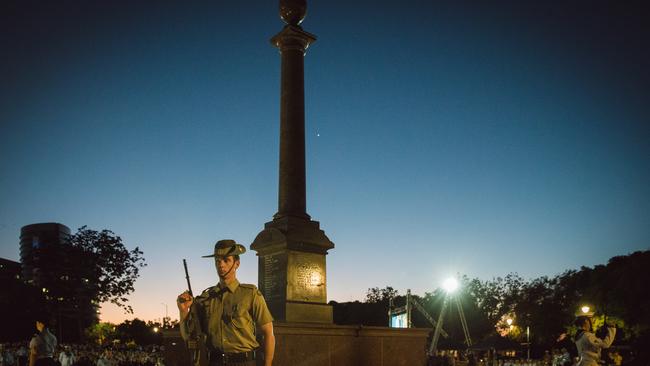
x,y
176,352
343,345
292,272
301,344
298,312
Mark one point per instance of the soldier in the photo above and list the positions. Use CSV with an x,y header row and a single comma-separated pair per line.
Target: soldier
x,y
228,313
588,344
42,345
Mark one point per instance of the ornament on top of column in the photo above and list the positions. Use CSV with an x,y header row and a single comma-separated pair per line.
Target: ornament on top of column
x,y
293,12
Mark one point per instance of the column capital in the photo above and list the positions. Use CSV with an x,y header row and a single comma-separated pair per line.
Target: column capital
x,y
293,37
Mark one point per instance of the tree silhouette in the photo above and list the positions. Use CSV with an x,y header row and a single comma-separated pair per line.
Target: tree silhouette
x,y
104,268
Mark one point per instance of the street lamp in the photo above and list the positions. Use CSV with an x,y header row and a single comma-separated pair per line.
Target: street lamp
x,y
585,309
166,314
155,329
528,341
450,285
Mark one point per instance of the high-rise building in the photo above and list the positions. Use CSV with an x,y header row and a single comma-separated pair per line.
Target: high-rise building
x,y
38,254
50,264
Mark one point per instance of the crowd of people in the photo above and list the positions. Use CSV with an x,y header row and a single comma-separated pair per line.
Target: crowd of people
x,y
556,357
17,354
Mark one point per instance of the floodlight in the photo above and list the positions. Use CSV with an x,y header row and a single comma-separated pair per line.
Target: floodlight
x,y
450,285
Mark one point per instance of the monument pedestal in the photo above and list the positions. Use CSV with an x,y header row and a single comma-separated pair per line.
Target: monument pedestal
x,y
292,269
310,344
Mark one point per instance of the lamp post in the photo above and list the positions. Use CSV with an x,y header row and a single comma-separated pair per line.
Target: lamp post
x,y
528,341
450,285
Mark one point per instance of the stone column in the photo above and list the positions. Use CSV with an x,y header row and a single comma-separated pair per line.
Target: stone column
x,y
292,42
292,247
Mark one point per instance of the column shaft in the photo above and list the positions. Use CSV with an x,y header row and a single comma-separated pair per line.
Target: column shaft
x,y
292,191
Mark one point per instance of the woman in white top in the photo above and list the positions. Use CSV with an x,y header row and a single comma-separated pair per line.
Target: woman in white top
x,y
588,344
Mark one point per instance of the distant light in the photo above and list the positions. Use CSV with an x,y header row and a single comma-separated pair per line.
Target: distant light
x,y
44,290
155,329
509,321
450,285
585,309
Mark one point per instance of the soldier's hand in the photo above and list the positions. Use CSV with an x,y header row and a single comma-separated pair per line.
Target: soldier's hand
x,y
184,301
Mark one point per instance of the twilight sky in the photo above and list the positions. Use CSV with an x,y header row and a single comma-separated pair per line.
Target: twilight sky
x,y
442,137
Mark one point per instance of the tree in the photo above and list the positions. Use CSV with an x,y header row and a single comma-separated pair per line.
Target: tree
x,y
497,297
537,310
375,294
616,291
101,333
105,268
140,332
78,274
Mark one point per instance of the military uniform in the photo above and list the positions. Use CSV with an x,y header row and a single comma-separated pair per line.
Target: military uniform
x,y
228,316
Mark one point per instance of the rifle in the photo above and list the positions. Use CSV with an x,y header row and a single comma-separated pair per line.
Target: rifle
x,y
196,340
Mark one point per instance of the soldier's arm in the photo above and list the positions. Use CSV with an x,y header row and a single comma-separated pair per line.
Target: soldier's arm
x,y
264,320
269,343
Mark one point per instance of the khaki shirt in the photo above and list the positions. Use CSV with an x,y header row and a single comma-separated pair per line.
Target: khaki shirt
x,y
228,317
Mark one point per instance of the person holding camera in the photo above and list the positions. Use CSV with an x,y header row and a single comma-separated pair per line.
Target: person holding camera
x,y
589,346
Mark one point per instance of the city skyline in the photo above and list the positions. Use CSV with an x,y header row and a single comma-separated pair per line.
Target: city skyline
x,y
455,138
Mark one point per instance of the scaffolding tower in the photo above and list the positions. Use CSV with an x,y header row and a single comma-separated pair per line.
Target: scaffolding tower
x,y
412,302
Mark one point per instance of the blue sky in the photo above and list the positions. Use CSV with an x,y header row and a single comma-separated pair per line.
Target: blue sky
x,y
442,137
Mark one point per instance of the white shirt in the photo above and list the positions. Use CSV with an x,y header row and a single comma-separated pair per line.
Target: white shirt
x,y
66,360
589,346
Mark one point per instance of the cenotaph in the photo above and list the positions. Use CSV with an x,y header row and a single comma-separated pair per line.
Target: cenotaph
x,y
292,247
291,251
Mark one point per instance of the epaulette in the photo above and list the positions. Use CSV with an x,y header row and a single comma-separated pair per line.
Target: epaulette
x,y
248,286
205,294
